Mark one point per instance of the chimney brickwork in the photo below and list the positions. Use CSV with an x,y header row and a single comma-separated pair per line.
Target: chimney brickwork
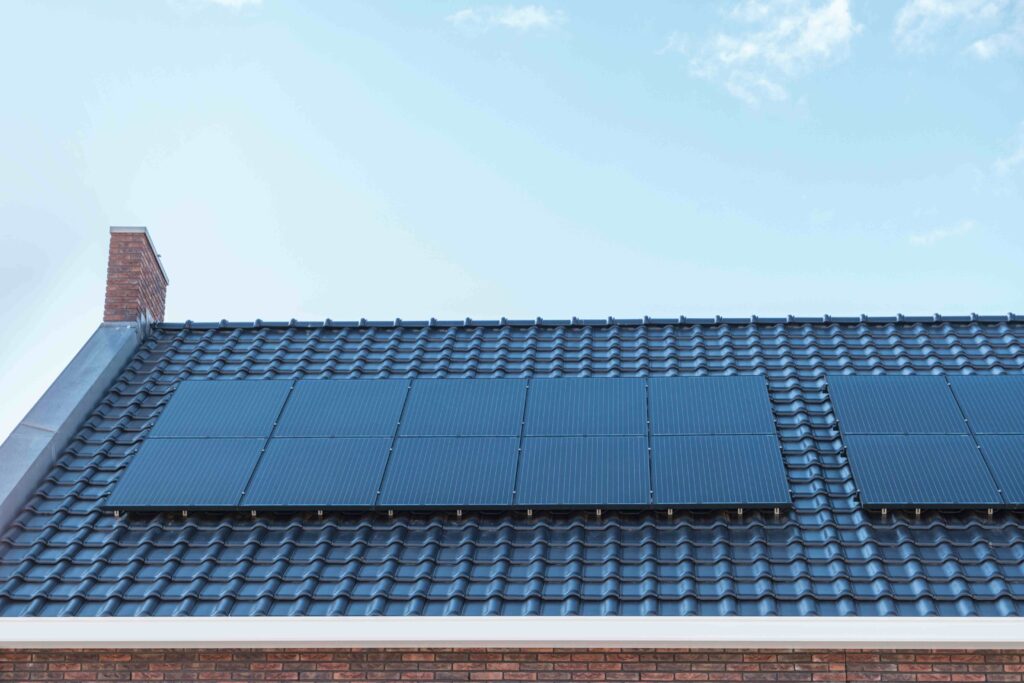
x,y
136,280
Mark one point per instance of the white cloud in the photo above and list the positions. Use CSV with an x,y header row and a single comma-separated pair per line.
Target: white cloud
x,y
1016,156
521,18
927,239
780,40
983,28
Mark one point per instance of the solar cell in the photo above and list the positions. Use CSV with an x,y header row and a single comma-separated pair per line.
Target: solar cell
x,y
464,407
586,406
363,407
318,473
1005,454
717,471
186,473
736,404
920,471
993,404
895,404
222,408
606,471
452,472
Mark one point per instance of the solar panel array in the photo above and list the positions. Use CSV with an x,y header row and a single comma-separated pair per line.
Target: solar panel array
x,y
615,443
933,441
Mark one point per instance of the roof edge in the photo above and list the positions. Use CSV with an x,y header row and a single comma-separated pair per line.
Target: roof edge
x,y
36,442
889,633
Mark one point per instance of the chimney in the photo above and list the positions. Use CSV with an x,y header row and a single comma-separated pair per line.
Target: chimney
x,y
136,280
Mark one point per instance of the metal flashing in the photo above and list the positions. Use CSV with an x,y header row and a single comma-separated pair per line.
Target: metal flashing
x,y
38,441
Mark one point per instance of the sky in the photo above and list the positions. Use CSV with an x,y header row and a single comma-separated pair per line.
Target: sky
x,y
451,158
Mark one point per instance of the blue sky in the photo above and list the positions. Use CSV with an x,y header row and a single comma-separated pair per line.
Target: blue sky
x,y
456,159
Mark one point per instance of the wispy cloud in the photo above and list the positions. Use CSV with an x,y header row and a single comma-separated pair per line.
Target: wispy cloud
x,y
233,4
520,18
983,28
1016,156
927,239
775,41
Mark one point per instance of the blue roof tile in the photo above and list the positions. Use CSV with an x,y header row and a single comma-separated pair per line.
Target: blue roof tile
x,y
827,555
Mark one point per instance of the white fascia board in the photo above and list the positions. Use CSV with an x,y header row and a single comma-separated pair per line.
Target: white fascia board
x,y
514,632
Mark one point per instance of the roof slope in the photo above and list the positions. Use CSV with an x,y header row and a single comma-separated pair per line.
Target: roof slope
x,y
64,556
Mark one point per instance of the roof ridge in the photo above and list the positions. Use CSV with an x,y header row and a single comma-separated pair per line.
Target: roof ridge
x,y
604,322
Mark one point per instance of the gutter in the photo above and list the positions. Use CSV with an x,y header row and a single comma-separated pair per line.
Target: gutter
x,y
886,633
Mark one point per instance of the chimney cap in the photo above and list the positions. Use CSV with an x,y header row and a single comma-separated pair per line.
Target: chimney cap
x,y
141,229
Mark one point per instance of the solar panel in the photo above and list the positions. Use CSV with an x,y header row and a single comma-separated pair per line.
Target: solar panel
x,y
895,404
452,472
186,473
586,406
363,407
993,404
920,471
716,471
710,405
1005,454
318,473
464,407
607,471
222,408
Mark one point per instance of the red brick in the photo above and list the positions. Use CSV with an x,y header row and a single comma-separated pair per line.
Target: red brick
x,y
136,286
712,666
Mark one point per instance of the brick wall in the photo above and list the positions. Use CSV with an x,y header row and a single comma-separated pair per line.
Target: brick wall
x,y
509,665
135,282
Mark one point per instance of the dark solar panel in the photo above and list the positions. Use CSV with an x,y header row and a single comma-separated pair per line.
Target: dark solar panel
x,y
895,404
1005,454
464,407
586,406
222,408
716,471
364,407
992,404
452,472
318,473
606,471
925,471
710,405
186,473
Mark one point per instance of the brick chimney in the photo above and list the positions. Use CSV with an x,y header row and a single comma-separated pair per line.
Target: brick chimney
x,y
136,280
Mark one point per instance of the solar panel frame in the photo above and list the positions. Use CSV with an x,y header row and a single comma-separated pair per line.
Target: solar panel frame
x,y
599,425
906,470
473,473
566,472
895,404
464,407
744,471
326,473
992,404
177,474
586,406
1005,456
343,408
197,409
732,404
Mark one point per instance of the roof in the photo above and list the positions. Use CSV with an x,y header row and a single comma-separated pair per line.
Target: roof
x,y
64,556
